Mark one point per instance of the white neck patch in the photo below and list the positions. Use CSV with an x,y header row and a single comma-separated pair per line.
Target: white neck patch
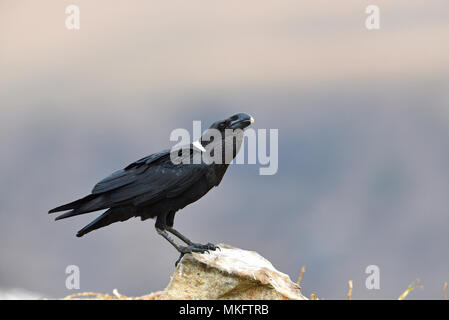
x,y
197,145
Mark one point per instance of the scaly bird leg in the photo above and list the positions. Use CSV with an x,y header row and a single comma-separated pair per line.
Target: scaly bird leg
x,y
181,249
208,246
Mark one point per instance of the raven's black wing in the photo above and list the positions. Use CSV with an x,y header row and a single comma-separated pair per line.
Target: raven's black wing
x,y
144,181
156,181
128,175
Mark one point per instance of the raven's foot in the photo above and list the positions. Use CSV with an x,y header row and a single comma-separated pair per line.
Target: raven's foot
x,y
195,247
207,246
179,259
192,248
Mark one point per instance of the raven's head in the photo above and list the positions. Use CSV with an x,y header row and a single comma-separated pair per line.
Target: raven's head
x,y
224,138
237,121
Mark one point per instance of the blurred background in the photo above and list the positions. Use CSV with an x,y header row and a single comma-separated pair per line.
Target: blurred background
x,y
363,119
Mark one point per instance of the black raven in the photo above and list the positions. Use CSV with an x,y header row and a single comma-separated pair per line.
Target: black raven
x,y
158,185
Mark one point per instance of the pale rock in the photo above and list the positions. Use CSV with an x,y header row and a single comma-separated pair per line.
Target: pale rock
x,y
229,273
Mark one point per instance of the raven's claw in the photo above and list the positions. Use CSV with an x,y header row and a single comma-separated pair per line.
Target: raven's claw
x,y
196,247
189,249
192,248
179,259
207,246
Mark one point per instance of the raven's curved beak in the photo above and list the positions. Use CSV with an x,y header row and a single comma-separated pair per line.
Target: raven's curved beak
x,y
240,121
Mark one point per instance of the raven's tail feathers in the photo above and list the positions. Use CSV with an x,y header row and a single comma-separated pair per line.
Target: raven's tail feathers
x,y
110,216
90,203
74,204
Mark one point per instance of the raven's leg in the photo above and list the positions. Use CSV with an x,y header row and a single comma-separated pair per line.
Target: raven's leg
x,y
179,235
160,228
170,220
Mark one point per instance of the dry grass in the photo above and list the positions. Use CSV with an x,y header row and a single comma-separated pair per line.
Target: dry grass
x,y
89,295
116,296
313,296
350,290
416,284
303,270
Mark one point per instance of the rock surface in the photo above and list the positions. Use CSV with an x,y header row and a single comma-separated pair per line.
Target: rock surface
x,y
226,273
229,273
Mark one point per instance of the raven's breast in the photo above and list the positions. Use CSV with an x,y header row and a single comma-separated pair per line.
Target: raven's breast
x,y
163,206
192,194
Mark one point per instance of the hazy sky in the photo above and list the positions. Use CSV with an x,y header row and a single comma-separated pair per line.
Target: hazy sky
x,y
363,119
